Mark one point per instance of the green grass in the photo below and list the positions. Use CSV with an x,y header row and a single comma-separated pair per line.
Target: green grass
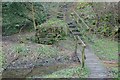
x,y
68,43
72,72
106,49
20,49
46,51
53,22
2,60
114,71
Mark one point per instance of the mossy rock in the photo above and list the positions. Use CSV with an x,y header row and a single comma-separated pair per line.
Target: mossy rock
x,y
51,31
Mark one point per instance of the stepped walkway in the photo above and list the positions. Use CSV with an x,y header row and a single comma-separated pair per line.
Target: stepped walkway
x,y
97,69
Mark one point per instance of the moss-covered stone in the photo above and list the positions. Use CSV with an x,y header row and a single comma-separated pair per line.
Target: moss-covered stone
x,y
51,31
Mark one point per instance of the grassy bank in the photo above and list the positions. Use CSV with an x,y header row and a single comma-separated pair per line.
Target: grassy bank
x,y
74,72
107,51
69,72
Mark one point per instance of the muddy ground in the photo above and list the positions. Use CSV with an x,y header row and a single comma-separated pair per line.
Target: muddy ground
x,y
31,63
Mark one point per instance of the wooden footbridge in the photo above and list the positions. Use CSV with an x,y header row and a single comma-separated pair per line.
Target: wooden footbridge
x,y
84,54
74,30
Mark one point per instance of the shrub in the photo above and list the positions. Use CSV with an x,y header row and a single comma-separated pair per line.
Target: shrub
x,y
51,31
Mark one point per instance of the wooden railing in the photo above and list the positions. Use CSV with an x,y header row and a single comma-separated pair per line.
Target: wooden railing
x,y
82,20
80,55
83,50
79,40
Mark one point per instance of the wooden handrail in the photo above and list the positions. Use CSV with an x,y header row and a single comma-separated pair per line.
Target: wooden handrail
x,y
78,37
83,44
83,48
81,19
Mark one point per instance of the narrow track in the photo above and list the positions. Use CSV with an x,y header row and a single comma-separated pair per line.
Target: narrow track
x,y
97,69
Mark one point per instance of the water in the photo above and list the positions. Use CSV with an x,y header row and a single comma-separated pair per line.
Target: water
x,y
36,71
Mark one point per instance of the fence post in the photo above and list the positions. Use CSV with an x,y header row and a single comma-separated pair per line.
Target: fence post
x,y
75,45
83,57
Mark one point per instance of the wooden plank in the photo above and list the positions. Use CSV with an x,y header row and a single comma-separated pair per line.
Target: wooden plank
x,y
71,29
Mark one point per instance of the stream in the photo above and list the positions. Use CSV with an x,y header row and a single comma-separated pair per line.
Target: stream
x,y
36,71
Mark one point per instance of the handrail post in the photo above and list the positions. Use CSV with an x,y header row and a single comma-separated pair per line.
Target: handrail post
x,y
75,45
83,44
83,57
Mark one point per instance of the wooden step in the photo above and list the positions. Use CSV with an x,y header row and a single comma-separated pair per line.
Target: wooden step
x,y
59,13
72,26
76,33
72,29
69,23
59,16
75,30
